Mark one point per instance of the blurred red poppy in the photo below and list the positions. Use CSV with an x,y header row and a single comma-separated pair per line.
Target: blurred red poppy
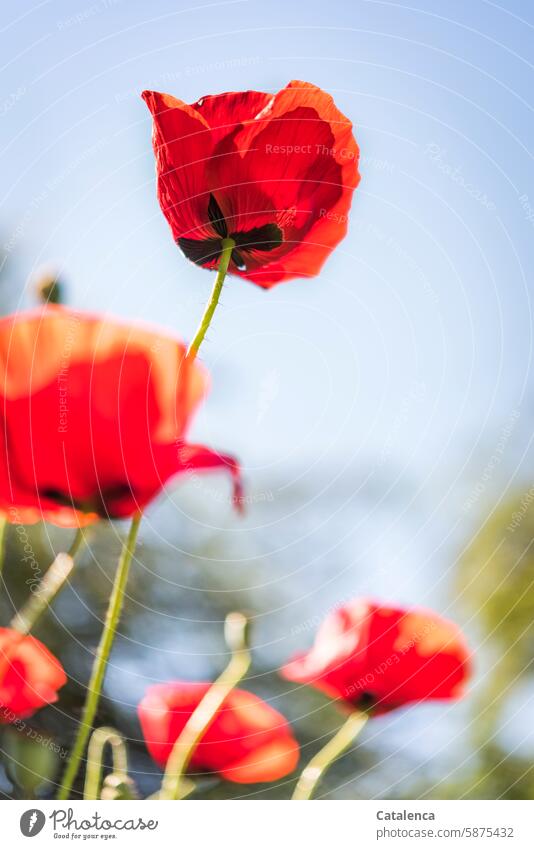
x,y
30,676
380,658
247,742
94,416
275,173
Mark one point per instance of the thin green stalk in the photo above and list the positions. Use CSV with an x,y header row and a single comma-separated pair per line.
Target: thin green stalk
x,y
227,247
40,599
236,627
94,690
323,760
77,542
3,529
95,752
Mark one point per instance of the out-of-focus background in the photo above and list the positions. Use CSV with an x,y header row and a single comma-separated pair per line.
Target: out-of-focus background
x,y
382,411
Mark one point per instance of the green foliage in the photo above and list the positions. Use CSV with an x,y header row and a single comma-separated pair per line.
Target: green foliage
x,y
32,758
496,578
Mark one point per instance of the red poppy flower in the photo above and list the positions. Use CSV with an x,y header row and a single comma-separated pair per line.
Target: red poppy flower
x,y
94,416
247,742
30,676
275,173
381,658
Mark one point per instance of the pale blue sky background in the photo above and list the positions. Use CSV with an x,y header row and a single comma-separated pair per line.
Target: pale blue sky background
x,y
406,366
419,329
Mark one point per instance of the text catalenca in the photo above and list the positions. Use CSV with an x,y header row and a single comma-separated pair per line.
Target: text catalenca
x,y
405,815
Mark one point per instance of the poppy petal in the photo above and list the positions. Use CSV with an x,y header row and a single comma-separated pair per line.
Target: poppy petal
x,y
30,675
196,458
225,112
269,762
296,163
246,741
368,654
183,144
94,417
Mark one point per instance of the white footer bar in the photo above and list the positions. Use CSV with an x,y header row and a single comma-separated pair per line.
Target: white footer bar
x,y
270,824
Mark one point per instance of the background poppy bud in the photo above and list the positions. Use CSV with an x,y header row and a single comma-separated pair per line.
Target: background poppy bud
x,y
237,631
378,658
247,742
49,288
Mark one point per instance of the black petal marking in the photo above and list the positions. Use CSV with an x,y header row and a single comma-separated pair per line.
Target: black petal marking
x,y
206,252
99,503
238,260
201,251
217,218
265,238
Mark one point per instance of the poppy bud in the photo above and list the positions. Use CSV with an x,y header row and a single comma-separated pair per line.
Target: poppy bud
x,y
49,289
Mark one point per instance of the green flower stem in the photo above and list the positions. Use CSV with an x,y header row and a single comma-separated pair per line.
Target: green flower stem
x,y
77,542
52,583
94,689
3,529
95,752
323,760
236,628
227,247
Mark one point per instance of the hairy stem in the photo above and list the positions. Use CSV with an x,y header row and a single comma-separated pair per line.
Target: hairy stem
x,y
95,753
40,599
77,542
227,247
236,627
323,760
94,690
3,529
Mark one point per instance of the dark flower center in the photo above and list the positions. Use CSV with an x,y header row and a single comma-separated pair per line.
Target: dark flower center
x,y
99,503
208,251
366,701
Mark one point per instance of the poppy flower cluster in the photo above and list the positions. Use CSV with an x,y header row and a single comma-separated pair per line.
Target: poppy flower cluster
x,y
366,656
95,414
273,173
